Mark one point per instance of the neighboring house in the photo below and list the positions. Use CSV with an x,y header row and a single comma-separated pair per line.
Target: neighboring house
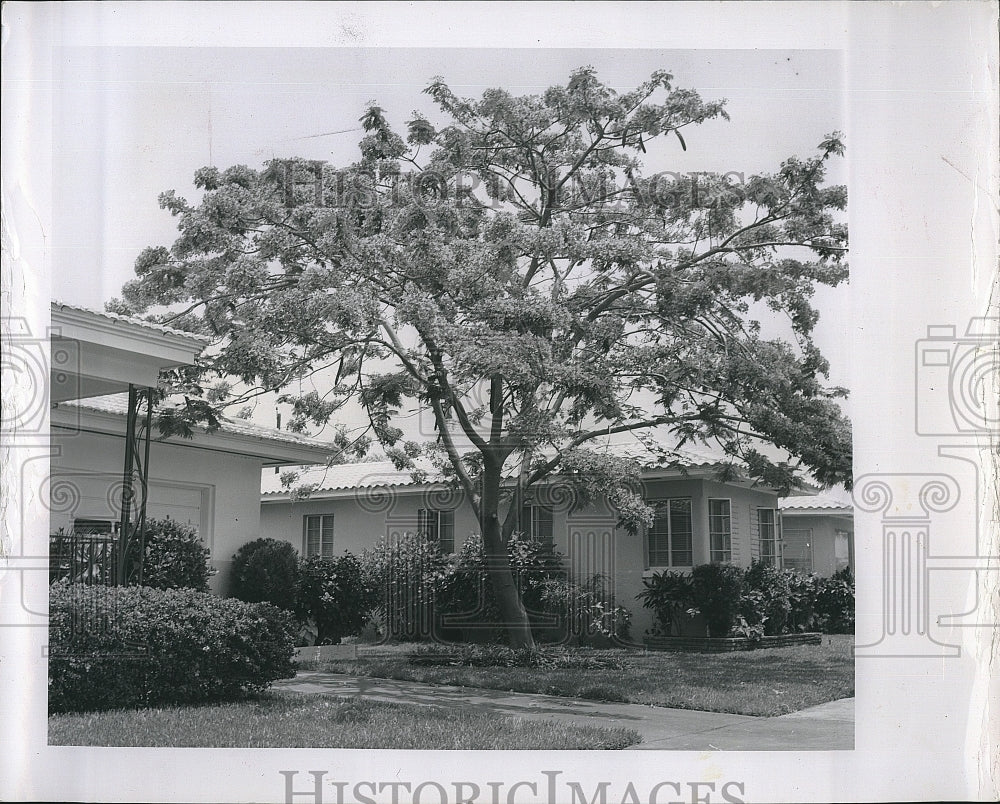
x,y
210,481
817,533
699,520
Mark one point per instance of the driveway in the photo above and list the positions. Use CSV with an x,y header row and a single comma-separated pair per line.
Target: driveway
x,y
827,727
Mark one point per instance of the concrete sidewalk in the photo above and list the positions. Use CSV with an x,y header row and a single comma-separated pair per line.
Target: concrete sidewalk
x,y
828,727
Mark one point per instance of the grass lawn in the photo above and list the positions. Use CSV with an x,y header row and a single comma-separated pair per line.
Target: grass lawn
x,y
773,681
291,720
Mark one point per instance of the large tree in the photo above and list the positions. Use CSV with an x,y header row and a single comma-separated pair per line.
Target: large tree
x,y
514,271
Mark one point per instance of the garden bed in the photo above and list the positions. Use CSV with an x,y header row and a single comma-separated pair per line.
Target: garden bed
x,y
729,644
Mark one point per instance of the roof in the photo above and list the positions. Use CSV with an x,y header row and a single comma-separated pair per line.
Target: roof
x,y
117,404
829,503
347,476
130,321
384,474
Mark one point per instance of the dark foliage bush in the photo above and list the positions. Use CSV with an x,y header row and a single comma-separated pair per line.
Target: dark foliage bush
x,y
716,590
266,571
834,605
766,598
466,594
176,557
803,590
336,595
405,574
669,595
133,646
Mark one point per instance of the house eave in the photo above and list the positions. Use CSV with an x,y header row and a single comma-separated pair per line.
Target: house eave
x,y
269,451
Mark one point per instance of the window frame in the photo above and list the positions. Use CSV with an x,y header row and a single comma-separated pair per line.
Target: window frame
x,y
433,522
536,523
724,553
322,535
774,560
665,505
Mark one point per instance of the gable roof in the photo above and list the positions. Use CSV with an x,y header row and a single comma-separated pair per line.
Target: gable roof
x,y
276,446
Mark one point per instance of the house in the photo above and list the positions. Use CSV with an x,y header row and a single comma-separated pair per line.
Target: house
x,y
100,363
699,519
817,533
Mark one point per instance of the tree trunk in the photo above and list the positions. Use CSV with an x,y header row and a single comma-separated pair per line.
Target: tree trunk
x,y
515,618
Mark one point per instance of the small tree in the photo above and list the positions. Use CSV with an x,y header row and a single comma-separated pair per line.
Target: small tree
x,y
266,571
516,273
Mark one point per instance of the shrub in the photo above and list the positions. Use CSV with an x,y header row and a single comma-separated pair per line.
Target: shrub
x,y
175,557
669,595
549,658
585,610
335,595
834,605
803,590
133,646
266,571
465,589
716,590
765,602
404,574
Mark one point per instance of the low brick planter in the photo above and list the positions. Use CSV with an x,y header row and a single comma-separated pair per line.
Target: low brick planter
x,y
729,644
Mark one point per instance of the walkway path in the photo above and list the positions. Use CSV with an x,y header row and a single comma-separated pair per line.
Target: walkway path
x,y
827,727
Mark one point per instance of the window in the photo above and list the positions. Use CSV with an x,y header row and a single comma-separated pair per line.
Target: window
x,y
319,535
796,549
720,531
669,538
767,530
841,549
536,522
438,526
95,527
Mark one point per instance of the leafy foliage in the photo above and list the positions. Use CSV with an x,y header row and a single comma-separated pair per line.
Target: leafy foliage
x,y
759,601
514,271
176,557
803,590
669,595
716,591
335,594
133,646
834,606
265,570
766,598
405,573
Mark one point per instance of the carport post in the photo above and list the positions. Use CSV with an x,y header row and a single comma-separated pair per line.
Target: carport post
x,y
131,537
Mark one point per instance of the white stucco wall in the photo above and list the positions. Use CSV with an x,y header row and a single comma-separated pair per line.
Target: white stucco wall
x,y
87,471
587,537
823,530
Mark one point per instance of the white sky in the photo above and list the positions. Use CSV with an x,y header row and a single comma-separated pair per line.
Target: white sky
x,y
132,122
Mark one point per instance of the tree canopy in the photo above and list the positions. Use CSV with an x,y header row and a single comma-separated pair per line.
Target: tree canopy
x,y
516,272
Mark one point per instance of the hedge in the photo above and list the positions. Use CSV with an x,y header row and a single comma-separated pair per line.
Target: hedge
x,y
126,647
